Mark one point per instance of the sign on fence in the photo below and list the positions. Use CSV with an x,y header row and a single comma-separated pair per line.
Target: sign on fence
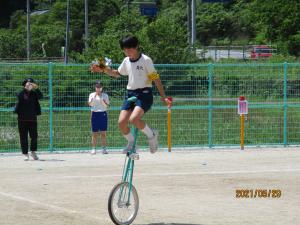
x,y
242,106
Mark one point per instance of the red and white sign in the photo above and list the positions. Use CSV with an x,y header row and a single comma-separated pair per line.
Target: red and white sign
x,y
242,106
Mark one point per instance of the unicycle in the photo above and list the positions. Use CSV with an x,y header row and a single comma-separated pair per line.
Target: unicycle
x,y
123,201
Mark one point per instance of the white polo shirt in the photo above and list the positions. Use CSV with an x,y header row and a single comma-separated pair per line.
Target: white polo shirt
x,y
137,72
97,102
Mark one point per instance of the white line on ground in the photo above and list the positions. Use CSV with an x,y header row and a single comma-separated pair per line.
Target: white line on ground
x,y
192,173
45,205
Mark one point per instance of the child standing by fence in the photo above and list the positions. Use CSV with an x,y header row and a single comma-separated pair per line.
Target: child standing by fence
x,y
99,102
28,108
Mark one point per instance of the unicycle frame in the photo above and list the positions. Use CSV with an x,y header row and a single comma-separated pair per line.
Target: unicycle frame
x,y
129,163
128,167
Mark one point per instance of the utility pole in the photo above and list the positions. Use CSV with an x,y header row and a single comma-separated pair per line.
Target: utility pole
x,y
28,30
193,17
67,33
86,19
189,21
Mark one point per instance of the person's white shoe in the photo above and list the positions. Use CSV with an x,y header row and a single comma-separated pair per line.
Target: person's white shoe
x,y
153,142
104,151
93,152
26,157
127,148
34,155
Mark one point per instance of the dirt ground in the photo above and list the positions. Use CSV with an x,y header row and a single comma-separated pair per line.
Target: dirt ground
x,y
180,188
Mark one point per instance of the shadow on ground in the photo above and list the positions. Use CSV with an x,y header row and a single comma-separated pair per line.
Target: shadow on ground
x,y
52,160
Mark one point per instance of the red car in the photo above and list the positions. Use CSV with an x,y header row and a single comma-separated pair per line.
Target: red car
x,y
261,51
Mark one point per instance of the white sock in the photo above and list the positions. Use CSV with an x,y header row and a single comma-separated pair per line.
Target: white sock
x,y
148,131
129,137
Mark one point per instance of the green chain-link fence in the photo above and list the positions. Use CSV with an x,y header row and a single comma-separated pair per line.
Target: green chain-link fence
x,y
204,112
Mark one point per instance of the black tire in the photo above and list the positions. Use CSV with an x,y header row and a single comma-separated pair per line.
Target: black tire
x,y
114,204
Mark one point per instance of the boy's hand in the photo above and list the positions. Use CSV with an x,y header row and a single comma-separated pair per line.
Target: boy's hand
x,y
96,69
168,101
100,65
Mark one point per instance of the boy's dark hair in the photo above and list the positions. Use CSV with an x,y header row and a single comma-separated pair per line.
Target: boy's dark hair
x,y
129,42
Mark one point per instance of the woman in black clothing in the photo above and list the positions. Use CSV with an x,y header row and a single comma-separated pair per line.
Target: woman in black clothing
x,y
28,108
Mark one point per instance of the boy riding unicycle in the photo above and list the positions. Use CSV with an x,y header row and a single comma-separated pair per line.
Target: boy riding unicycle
x,y
141,74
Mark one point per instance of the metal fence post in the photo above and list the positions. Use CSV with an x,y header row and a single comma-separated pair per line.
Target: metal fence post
x,y
285,104
210,109
50,76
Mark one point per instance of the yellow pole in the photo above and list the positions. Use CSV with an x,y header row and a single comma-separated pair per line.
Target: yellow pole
x,y
242,133
169,129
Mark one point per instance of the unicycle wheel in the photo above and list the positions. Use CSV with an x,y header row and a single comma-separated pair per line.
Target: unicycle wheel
x,y
123,204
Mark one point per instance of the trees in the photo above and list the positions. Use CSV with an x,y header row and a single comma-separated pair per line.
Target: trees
x,y
13,43
214,21
164,37
280,22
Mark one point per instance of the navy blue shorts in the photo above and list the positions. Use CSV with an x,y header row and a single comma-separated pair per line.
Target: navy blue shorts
x,y
99,121
144,99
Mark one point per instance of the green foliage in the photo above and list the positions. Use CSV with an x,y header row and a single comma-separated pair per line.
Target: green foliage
x,y
101,11
12,44
164,38
215,22
294,44
52,36
278,22
159,38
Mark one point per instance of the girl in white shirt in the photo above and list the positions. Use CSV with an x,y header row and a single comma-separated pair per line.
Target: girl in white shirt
x,y
99,102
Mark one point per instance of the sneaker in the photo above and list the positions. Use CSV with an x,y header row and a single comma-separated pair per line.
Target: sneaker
x,y
34,156
153,142
93,152
127,148
104,151
26,157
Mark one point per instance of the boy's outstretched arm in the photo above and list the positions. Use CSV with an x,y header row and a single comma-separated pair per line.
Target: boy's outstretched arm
x,y
109,71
